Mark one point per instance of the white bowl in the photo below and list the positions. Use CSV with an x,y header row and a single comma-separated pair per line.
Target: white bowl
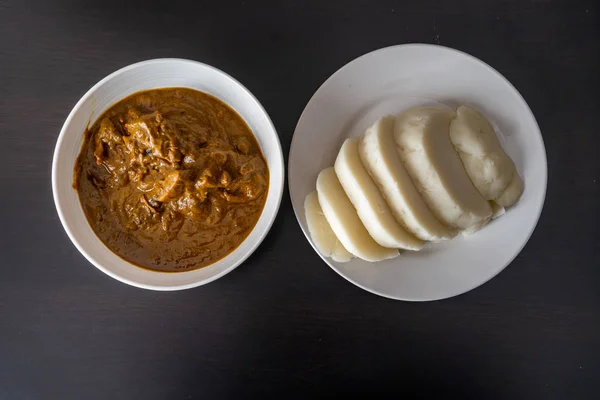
x,y
388,81
153,74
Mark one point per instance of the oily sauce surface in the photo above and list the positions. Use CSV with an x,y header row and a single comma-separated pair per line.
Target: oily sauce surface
x,y
171,179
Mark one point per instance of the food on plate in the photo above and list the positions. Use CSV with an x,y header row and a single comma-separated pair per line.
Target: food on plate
x,y
368,201
171,179
325,240
492,172
423,175
497,210
436,169
378,153
344,221
512,193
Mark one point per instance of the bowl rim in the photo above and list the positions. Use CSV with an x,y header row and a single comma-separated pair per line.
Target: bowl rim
x,y
537,133
277,190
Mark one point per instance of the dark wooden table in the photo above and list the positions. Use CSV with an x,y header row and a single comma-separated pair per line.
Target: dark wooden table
x,y
284,324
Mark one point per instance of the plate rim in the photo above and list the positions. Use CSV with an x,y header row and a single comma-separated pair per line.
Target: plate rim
x,y
537,132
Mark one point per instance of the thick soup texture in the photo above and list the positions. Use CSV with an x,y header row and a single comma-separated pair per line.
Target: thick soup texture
x,y
171,179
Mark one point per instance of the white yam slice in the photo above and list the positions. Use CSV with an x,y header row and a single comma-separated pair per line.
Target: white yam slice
x,y
344,220
378,153
370,205
486,163
428,155
320,231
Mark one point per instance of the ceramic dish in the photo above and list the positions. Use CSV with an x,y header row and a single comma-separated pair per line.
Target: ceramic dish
x,y
153,74
388,81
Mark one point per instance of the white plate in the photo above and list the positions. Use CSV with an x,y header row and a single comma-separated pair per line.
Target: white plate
x,y
390,80
146,75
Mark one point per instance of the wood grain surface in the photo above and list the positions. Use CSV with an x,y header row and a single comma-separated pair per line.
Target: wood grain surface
x,y
284,325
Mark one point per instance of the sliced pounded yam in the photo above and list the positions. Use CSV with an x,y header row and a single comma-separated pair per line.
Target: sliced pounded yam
x,y
320,231
486,163
497,210
428,155
372,209
378,154
512,193
344,220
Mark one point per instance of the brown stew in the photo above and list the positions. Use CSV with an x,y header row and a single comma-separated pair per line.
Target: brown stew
x,y
171,179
